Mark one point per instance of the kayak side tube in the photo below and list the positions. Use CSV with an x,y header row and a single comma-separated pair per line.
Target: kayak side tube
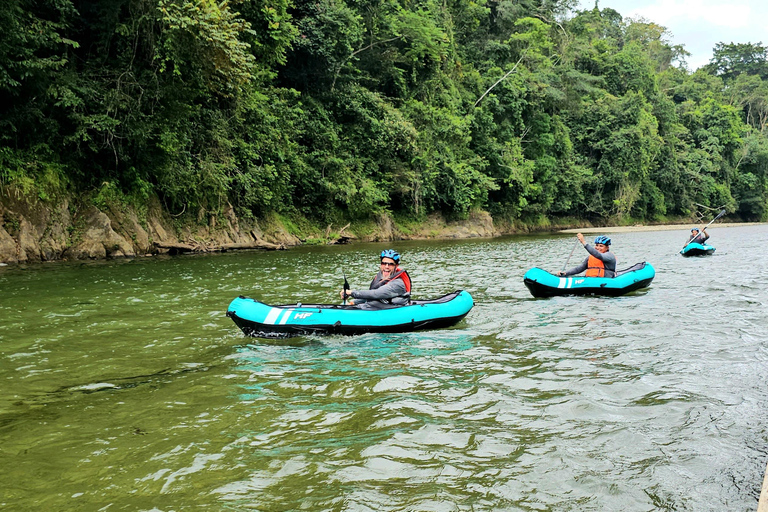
x,y
545,284
255,318
697,250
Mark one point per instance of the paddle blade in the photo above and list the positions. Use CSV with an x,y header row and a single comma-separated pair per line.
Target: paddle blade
x,y
346,286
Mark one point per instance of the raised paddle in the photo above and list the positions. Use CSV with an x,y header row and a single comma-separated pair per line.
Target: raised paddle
x,y
705,227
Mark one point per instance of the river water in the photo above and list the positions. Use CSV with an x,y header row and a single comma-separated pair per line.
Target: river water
x,y
123,386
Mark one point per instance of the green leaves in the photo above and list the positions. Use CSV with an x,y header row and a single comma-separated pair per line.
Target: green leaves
x,y
342,108
202,38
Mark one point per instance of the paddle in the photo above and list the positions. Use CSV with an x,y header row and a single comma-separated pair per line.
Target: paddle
x,y
578,242
705,227
346,287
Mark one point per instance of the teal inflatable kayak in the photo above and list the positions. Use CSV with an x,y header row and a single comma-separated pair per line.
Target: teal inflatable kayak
x,y
697,250
261,320
544,284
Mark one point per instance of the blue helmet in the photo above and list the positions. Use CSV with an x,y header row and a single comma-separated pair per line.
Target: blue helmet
x,y
602,239
694,229
392,254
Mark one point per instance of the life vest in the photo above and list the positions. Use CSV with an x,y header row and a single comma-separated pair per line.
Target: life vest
x,y
595,267
699,239
398,274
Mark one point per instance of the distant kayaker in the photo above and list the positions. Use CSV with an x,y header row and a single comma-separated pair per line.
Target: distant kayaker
x,y
697,237
600,262
391,285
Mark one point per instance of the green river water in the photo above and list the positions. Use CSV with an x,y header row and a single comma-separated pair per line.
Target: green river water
x,y
124,387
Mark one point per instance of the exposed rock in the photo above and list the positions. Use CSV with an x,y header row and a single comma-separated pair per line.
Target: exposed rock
x,y
156,229
7,247
478,224
43,231
385,231
126,224
99,240
54,232
28,237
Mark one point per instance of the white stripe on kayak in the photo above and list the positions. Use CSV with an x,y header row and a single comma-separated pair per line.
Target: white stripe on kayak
x,y
272,316
561,284
286,316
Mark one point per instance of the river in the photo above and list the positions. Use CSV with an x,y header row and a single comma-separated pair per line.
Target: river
x,y
125,387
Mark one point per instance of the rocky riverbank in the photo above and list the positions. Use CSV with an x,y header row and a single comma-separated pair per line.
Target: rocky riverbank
x,y
69,230
78,230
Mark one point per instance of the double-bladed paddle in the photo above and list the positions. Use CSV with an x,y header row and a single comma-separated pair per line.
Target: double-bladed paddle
x,y
705,227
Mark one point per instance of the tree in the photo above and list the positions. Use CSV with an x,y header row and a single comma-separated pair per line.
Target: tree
x,y
731,60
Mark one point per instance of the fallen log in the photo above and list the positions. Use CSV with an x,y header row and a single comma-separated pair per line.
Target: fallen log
x,y
260,244
181,248
176,248
342,238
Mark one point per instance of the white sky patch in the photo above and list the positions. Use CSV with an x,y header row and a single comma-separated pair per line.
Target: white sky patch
x,y
730,15
698,24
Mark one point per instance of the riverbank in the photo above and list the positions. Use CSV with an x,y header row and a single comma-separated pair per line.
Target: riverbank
x,y
78,229
659,227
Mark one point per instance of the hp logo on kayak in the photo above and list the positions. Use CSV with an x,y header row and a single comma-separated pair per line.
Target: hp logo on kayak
x,y
299,316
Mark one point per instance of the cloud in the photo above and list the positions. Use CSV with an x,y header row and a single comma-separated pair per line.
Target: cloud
x,y
698,24
689,12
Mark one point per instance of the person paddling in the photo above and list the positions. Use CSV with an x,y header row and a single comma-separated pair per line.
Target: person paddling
x,y
391,285
600,262
697,237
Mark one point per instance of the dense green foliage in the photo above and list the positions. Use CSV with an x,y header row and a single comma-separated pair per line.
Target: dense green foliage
x,y
352,108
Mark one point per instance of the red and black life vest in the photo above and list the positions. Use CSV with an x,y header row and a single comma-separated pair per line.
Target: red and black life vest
x,y
397,274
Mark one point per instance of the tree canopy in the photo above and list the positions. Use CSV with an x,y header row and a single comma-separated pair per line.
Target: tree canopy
x,y
348,109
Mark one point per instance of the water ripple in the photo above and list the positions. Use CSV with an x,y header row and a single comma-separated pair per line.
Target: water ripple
x,y
127,388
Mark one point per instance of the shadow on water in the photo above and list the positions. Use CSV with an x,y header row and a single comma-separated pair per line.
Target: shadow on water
x,y
67,394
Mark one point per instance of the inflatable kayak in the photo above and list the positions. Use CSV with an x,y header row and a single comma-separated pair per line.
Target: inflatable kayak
x,y
544,284
261,320
697,250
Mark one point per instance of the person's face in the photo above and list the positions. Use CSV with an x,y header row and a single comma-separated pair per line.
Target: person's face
x,y
601,247
387,266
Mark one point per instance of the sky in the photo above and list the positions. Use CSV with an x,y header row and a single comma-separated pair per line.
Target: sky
x,y
698,24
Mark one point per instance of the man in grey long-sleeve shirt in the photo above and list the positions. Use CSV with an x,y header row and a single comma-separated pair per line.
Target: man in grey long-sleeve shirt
x,y
697,237
600,262
391,285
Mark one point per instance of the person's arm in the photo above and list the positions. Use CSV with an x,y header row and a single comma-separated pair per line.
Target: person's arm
x,y
394,288
706,235
578,269
605,257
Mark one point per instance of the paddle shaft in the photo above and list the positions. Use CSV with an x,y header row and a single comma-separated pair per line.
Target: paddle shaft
x,y
705,227
578,242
